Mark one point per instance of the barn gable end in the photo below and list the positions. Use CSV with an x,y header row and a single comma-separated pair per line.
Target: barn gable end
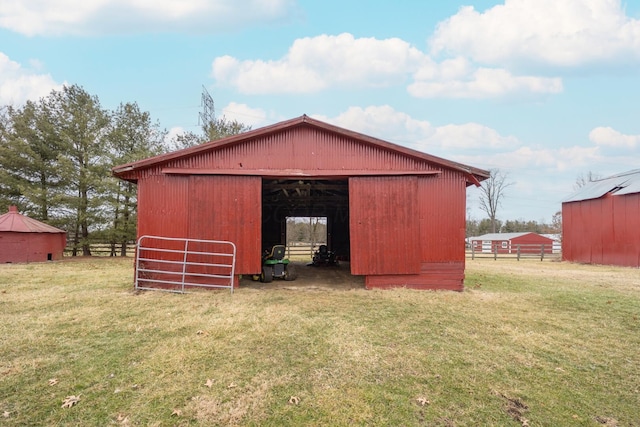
x,y
398,214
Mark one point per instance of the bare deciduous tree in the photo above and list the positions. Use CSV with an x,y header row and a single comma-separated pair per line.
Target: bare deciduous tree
x,y
584,179
491,194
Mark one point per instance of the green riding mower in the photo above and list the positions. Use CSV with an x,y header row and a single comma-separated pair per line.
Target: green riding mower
x,y
274,264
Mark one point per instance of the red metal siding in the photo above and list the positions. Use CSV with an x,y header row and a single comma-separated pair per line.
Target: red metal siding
x,y
228,208
384,225
602,231
431,249
407,209
299,149
31,247
442,207
205,207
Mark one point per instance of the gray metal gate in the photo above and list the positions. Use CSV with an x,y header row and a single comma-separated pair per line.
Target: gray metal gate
x,y
174,264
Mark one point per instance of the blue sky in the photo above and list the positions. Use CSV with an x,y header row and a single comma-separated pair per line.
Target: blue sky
x,y
544,90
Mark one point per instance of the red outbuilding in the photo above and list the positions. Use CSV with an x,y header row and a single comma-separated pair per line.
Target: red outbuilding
x,y
23,239
397,214
601,222
512,243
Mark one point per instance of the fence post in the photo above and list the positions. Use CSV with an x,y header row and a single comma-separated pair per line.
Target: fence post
x,y
518,252
473,251
542,252
495,252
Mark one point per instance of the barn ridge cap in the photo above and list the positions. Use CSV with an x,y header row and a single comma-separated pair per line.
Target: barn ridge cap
x,y
474,175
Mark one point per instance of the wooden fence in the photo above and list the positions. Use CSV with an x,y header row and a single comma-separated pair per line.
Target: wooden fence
x,y
517,252
102,249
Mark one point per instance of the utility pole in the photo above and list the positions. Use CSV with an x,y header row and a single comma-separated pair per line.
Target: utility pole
x,y
208,113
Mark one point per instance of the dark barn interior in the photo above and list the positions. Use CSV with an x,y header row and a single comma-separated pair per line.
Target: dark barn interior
x,y
282,198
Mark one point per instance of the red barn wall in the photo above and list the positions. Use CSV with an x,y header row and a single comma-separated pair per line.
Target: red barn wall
x,y
204,207
427,232
602,231
531,244
31,247
424,234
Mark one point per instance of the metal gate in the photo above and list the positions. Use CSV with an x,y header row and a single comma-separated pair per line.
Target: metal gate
x,y
174,264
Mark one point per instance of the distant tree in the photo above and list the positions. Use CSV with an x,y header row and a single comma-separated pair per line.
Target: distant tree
x,y
485,226
132,136
29,150
491,195
214,130
222,127
584,179
471,229
185,140
82,125
556,223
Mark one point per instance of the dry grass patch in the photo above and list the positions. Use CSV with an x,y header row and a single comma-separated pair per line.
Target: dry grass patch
x,y
528,343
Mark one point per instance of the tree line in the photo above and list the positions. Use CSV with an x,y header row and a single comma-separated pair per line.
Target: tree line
x,y
56,156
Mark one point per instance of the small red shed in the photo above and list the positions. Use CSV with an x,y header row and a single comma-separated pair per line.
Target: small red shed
x,y
601,222
23,239
397,214
512,243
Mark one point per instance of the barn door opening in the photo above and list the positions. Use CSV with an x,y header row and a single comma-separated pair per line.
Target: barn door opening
x,y
305,234
326,200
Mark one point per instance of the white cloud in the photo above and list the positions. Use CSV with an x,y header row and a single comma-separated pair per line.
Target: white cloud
x,y
556,32
315,63
173,133
608,137
458,79
320,63
394,126
254,117
57,17
17,84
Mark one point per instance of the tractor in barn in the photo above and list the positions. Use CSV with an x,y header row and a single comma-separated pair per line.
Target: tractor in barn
x,y
275,265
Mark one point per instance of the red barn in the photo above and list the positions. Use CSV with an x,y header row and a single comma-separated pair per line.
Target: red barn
x,y
23,239
512,243
396,213
601,222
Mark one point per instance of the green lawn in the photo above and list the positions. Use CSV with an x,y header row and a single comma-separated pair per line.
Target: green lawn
x,y
528,343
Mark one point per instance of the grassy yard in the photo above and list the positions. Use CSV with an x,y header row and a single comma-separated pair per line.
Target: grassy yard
x,y
528,343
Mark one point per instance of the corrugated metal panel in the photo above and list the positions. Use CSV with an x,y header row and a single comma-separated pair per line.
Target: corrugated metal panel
x,y
205,207
602,231
228,208
621,184
304,149
267,143
384,225
442,207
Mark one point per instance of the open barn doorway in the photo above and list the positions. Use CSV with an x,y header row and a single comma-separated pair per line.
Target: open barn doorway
x,y
304,235
304,214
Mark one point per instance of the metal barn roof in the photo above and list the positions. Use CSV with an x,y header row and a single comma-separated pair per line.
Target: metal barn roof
x,y
616,185
18,223
500,236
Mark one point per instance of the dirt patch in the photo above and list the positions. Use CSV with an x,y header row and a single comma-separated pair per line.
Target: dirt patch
x,y
336,277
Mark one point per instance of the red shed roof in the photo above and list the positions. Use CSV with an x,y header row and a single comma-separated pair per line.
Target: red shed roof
x,y
129,171
18,223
